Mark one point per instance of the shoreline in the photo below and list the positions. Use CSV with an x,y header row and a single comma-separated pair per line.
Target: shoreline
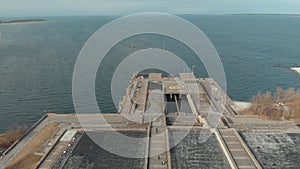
x,y
241,105
22,21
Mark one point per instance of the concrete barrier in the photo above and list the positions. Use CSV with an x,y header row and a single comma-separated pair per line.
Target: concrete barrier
x,y
26,133
148,145
168,149
225,149
252,157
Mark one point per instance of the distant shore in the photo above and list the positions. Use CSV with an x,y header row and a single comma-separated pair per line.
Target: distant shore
x,y
23,21
296,69
267,14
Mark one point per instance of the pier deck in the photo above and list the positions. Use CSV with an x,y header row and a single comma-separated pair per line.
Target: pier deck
x,y
158,110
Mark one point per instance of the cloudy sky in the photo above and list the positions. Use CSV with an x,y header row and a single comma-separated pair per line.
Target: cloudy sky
x,y
120,7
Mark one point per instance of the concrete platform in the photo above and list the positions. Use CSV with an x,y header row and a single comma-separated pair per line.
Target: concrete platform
x,y
158,110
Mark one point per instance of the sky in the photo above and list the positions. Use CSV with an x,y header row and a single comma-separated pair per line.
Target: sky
x,y
19,8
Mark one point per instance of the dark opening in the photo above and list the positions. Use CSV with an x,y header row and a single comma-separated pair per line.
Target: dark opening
x,y
171,106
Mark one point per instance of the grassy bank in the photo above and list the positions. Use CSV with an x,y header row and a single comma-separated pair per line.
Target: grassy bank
x,y
11,136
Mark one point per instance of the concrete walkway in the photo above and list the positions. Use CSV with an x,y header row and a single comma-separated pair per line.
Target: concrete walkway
x,y
241,155
158,158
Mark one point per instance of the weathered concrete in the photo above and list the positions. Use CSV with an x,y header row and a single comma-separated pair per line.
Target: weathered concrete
x,y
242,157
195,107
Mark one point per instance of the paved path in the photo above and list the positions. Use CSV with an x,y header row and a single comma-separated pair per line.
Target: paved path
x,y
241,155
158,145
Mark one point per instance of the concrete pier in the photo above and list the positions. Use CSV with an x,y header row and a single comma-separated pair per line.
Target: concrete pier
x,y
158,109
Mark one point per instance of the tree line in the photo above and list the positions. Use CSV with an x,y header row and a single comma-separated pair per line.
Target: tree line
x,y
283,104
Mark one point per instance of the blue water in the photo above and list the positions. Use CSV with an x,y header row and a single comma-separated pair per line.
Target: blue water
x,y
37,60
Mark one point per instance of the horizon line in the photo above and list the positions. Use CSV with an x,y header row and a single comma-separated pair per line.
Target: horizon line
x,y
78,15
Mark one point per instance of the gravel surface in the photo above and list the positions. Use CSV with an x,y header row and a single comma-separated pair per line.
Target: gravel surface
x,y
275,150
88,155
191,153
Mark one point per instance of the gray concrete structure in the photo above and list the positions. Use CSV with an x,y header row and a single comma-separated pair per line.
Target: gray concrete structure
x,y
159,109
